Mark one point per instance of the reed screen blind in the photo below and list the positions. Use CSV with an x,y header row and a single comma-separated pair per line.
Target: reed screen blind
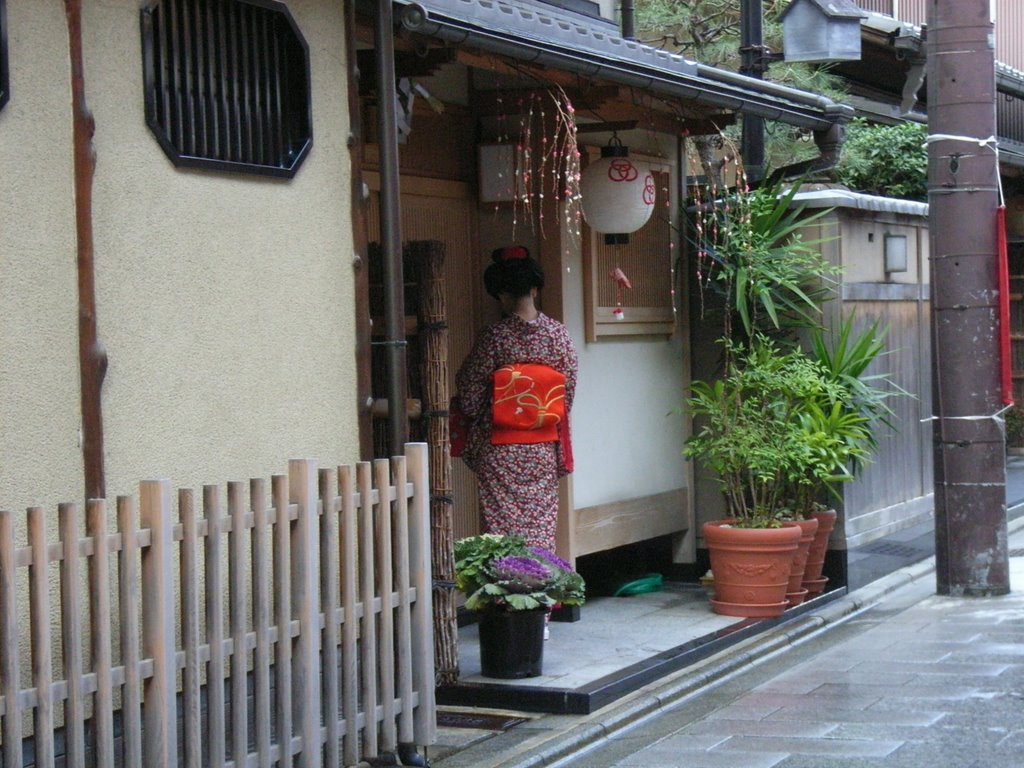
x,y
227,85
647,261
5,88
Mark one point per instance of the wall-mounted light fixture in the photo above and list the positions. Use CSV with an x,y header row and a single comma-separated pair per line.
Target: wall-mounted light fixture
x,y
617,194
895,252
499,182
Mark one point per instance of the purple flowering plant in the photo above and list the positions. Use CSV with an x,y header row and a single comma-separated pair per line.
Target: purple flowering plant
x,y
503,573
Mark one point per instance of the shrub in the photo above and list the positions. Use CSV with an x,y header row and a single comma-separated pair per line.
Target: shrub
x,y
887,160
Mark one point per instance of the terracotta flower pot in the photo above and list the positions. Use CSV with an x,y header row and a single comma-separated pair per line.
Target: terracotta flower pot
x,y
751,567
796,592
813,581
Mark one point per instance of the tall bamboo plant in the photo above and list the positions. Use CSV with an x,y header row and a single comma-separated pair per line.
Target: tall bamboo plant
x,y
782,426
771,279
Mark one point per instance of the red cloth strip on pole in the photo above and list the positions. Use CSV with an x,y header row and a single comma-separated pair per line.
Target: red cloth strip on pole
x,y
1006,363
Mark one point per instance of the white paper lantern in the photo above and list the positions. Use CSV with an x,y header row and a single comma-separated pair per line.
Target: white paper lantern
x,y
618,194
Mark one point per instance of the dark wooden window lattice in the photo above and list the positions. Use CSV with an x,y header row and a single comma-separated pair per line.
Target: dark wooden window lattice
x,y
5,83
227,84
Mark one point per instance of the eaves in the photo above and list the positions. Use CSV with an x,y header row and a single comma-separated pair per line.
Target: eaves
x,y
582,46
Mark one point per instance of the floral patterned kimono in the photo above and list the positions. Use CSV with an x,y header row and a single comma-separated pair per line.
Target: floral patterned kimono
x,y
518,482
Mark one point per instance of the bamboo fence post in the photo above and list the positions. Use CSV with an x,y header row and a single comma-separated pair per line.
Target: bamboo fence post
x,y
128,597
160,742
403,621
329,588
237,617
302,486
386,636
99,586
369,625
216,752
71,636
39,619
192,748
349,600
283,617
10,663
433,320
261,563
424,720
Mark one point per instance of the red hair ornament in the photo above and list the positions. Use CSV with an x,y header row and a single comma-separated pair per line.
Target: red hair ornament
x,y
511,253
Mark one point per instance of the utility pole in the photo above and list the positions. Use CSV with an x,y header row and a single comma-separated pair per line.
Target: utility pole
x,y
970,474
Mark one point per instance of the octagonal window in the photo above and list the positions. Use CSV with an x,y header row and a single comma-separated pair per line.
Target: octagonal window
x,y
227,85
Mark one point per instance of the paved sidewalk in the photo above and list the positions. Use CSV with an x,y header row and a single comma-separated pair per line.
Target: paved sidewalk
x,y
888,675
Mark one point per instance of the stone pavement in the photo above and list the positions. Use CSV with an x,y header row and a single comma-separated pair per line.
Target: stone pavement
x,y
889,675
915,680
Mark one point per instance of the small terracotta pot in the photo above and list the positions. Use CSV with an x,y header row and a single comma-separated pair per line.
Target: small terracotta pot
x,y
813,580
795,592
751,567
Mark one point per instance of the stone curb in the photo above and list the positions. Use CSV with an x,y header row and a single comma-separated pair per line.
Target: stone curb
x,y
552,746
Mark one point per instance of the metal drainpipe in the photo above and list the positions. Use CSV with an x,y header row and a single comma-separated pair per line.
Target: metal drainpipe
x,y
628,20
751,50
829,143
390,227
92,356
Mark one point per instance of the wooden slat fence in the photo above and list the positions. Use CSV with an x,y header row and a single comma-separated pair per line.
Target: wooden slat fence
x,y
290,626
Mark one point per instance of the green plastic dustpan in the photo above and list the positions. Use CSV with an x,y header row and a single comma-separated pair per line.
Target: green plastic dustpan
x,y
651,582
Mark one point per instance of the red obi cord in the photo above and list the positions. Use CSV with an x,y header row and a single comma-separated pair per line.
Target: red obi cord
x,y
528,405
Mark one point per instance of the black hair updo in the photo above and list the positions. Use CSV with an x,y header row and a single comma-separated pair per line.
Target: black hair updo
x,y
512,271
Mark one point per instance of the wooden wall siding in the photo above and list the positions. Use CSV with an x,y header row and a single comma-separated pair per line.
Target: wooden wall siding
x,y
647,261
311,647
438,146
616,524
435,210
877,6
901,469
1009,42
913,11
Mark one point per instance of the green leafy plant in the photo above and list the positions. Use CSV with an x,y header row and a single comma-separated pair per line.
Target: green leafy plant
x,y
770,277
845,356
887,160
775,428
1014,425
502,573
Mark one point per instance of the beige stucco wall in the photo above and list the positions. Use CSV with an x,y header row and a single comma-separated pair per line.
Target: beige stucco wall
x,y
39,411
224,301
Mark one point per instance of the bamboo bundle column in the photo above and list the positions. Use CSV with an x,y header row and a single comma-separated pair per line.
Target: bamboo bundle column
x,y
433,319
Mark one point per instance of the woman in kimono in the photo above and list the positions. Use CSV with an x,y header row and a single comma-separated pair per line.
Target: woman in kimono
x,y
516,386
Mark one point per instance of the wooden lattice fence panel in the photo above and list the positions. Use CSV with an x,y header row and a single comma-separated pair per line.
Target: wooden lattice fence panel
x,y
288,624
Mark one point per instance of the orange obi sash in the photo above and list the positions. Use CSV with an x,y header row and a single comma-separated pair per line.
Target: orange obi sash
x,y
528,405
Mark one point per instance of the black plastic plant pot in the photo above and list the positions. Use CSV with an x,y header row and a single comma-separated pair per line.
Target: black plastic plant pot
x,y
512,643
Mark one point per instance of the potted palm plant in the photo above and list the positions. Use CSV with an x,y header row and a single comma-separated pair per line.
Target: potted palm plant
x,y
845,357
512,587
